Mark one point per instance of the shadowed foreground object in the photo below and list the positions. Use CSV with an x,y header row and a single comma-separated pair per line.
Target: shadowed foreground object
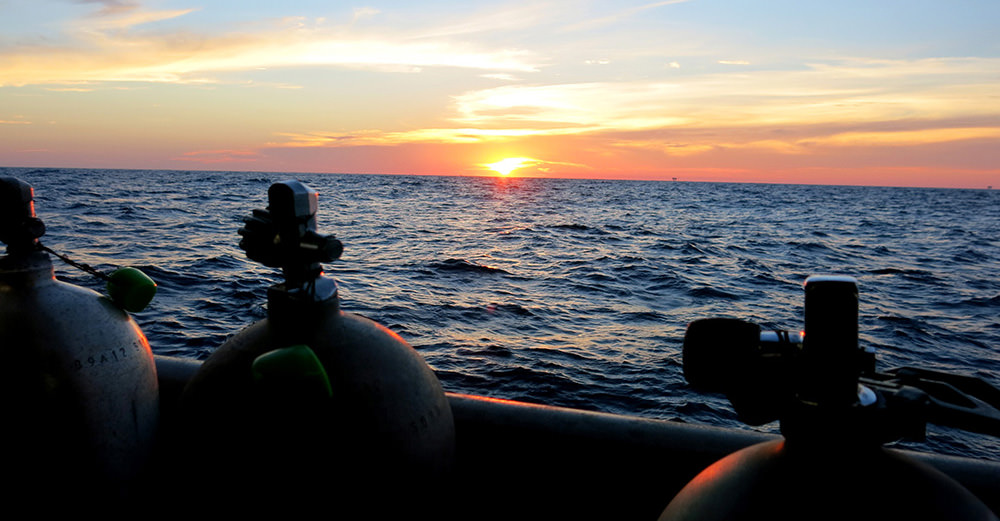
x,y
78,385
832,461
374,414
299,415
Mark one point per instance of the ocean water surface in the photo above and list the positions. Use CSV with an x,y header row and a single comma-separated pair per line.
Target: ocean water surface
x,y
564,292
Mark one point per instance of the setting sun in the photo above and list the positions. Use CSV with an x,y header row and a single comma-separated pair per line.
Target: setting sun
x,y
506,166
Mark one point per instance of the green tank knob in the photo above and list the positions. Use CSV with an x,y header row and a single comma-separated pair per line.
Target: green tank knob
x,y
294,369
131,289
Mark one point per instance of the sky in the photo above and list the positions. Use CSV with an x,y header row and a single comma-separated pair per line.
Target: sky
x,y
872,92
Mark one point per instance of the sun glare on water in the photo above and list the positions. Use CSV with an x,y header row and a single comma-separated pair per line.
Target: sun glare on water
x,y
506,166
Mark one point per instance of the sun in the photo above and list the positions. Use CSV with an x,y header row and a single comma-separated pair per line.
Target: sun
x,y
508,165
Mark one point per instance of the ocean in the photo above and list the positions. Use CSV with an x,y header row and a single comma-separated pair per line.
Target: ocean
x,y
572,293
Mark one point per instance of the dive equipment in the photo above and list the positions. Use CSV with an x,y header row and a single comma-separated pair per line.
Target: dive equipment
x,y
374,412
835,414
78,384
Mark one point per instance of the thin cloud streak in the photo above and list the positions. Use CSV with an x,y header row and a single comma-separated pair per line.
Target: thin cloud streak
x,y
620,15
102,49
125,18
817,95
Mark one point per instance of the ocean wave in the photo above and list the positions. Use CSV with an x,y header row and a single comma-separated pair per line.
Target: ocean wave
x,y
465,266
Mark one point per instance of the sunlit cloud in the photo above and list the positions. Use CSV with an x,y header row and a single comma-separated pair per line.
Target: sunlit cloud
x,y
679,147
330,139
582,107
155,61
220,156
489,20
802,111
620,15
501,76
905,137
664,146
817,95
111,7
387,138
362,13
125,16
101,48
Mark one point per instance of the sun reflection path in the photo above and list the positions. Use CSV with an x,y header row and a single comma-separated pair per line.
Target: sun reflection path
x,y
508,165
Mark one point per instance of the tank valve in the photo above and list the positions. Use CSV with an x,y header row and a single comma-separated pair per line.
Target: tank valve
x,y
284,235
128,287
19,227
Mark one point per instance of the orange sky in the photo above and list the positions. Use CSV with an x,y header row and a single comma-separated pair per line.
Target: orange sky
x,y
835,93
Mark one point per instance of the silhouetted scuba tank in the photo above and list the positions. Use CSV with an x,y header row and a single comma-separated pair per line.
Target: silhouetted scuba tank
x,y
831,463
313,399
78,389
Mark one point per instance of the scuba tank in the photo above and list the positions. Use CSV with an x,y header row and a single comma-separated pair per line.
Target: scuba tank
x,y
78,389
314,401
835,412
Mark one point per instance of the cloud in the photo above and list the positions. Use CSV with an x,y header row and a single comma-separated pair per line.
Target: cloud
x,y
119,15
146,60
577,107
104,47
220,156
916,137
849,91
620,15
361,13
816,140
787,112
112,7
390,138
503,19
500,76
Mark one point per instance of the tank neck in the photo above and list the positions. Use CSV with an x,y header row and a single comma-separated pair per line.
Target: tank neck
x,y
32,267
302,306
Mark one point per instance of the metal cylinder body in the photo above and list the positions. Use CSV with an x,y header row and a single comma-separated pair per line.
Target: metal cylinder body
x,y
388,423
80,399
779,480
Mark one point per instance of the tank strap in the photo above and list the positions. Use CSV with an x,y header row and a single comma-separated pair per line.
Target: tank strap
x,y
79,265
